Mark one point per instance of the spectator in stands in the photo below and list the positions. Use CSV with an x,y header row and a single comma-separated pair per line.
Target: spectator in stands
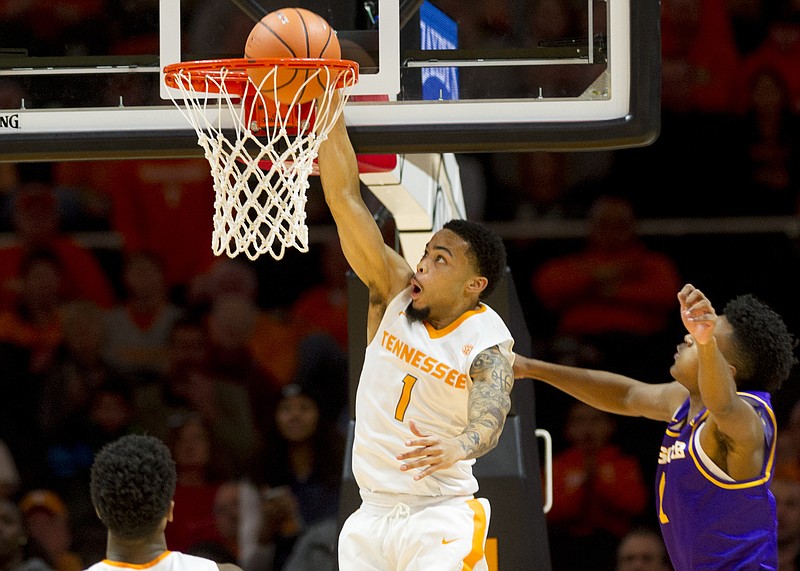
x,y
642,549
225,276
237,513
615,295
787,507
700,60
137,330
162,206
600,492
300,471
76,371
236,352
17,553
97,411
780,50
36,224
281,526
323,307
323,371
189,387
34,322
199,473
772,140
47,521
243,334
543,185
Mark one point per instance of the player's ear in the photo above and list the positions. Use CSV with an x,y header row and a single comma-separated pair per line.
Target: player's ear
x,y
477,284
171,510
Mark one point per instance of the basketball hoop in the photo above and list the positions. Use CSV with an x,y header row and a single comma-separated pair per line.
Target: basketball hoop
x,y
261,151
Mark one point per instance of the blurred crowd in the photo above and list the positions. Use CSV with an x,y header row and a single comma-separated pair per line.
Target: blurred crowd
x,y
241,367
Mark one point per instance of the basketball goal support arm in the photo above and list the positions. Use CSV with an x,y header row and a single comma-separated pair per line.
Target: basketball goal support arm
x,y
422,192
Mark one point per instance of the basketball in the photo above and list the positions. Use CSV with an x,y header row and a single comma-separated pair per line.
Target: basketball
x,y
292,33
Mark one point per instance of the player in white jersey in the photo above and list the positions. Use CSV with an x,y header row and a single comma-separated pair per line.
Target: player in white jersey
x,y
434,391
132,485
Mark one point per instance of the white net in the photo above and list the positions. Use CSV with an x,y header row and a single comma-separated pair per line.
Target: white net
x,y
260,166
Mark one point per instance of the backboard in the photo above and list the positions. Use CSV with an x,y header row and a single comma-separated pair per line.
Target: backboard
x,y
435,75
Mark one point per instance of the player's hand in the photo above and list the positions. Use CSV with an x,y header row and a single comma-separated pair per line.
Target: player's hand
x,y
280,513
697,314
430,453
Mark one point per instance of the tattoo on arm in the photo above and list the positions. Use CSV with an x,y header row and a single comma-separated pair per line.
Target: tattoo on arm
x,y
489,402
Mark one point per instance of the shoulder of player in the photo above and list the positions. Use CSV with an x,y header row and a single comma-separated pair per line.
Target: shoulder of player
x,y
228,567
746,421
384,291
489,360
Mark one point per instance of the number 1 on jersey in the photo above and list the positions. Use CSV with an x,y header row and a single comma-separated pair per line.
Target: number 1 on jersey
x,y
405,397
662,483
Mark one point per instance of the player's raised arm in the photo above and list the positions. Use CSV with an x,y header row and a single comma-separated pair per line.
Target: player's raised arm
x,y
604,390
734,423
382,269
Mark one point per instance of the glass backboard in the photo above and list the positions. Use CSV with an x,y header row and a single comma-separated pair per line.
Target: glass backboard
x,y
435,75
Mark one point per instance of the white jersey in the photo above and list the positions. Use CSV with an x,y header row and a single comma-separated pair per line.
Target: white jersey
x,y
167,561
415,372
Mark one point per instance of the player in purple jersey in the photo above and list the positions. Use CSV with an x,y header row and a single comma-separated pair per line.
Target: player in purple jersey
x,y
715,464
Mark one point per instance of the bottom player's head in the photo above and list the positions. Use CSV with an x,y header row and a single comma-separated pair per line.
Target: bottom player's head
x,y
132,485
761,348
464,258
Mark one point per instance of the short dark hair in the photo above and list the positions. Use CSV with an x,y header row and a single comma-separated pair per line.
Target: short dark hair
x,y
763,346
486,249
132,485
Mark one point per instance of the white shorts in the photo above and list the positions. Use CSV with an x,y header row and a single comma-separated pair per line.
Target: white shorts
x,y
439,535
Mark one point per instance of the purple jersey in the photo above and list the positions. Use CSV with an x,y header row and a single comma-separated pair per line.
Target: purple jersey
x,y
708,520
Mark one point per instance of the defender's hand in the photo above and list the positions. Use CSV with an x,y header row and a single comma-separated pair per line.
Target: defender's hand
x,y
697,314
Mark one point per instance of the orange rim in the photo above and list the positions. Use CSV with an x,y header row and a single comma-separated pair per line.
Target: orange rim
x,y
233,73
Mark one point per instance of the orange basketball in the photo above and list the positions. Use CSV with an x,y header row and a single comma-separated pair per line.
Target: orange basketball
x,y
292,33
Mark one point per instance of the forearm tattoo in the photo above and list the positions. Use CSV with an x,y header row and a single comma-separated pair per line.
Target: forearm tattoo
x,y
489,402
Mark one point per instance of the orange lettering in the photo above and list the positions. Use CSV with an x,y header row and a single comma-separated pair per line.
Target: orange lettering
x,y
407,353
423,362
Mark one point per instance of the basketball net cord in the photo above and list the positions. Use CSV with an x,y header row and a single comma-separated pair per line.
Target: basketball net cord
x,y
260,169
